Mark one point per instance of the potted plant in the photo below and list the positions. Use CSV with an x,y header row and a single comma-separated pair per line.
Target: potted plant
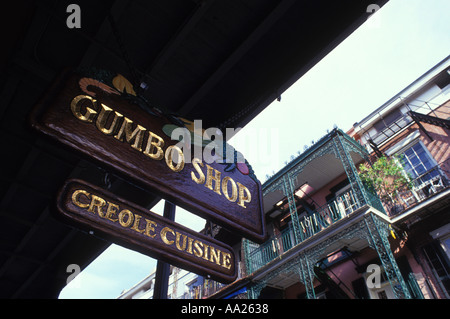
x,y
388,179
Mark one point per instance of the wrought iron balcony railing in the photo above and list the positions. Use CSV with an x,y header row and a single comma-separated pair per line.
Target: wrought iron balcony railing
x,y
307,226
426,185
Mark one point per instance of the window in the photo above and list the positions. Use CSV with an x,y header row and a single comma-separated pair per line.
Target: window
x,y
426,176
417,161
440,265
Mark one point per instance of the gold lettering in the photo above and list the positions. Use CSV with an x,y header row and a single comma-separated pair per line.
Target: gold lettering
x,y
205,255
126,130
154,148
215,255
182,241
75,106
198,248
75,198
210,178
179,158
177,241
226,260
189,249
150,227
164,232
98,202
128,221
201,177
243,198
234,192
110,211
135,226
102,120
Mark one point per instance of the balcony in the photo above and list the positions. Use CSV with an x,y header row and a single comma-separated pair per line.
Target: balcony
x,y
390,130
313,192
308,226
424,187
317,205
400,118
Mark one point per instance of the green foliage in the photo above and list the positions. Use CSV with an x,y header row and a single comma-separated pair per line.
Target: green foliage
x,y
386,177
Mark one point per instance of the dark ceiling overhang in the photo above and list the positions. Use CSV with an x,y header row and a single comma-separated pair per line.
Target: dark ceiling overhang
x,y
219,61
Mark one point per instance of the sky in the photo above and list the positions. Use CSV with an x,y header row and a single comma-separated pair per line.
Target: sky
x,y
398,44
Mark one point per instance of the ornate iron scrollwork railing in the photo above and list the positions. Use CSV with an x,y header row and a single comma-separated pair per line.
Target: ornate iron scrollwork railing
x,y
308,226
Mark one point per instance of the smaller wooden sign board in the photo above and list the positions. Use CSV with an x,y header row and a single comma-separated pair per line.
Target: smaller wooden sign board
x,y
127,224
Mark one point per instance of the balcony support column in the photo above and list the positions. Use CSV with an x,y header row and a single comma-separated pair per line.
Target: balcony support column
x,y
350,169
306,273
288,189
378,240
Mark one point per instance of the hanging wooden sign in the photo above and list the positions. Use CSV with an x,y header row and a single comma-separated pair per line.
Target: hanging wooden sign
x,y
100,115
129,225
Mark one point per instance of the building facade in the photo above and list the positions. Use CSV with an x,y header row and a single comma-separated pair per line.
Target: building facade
x,y
333,236
331,233
414,128
182,285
